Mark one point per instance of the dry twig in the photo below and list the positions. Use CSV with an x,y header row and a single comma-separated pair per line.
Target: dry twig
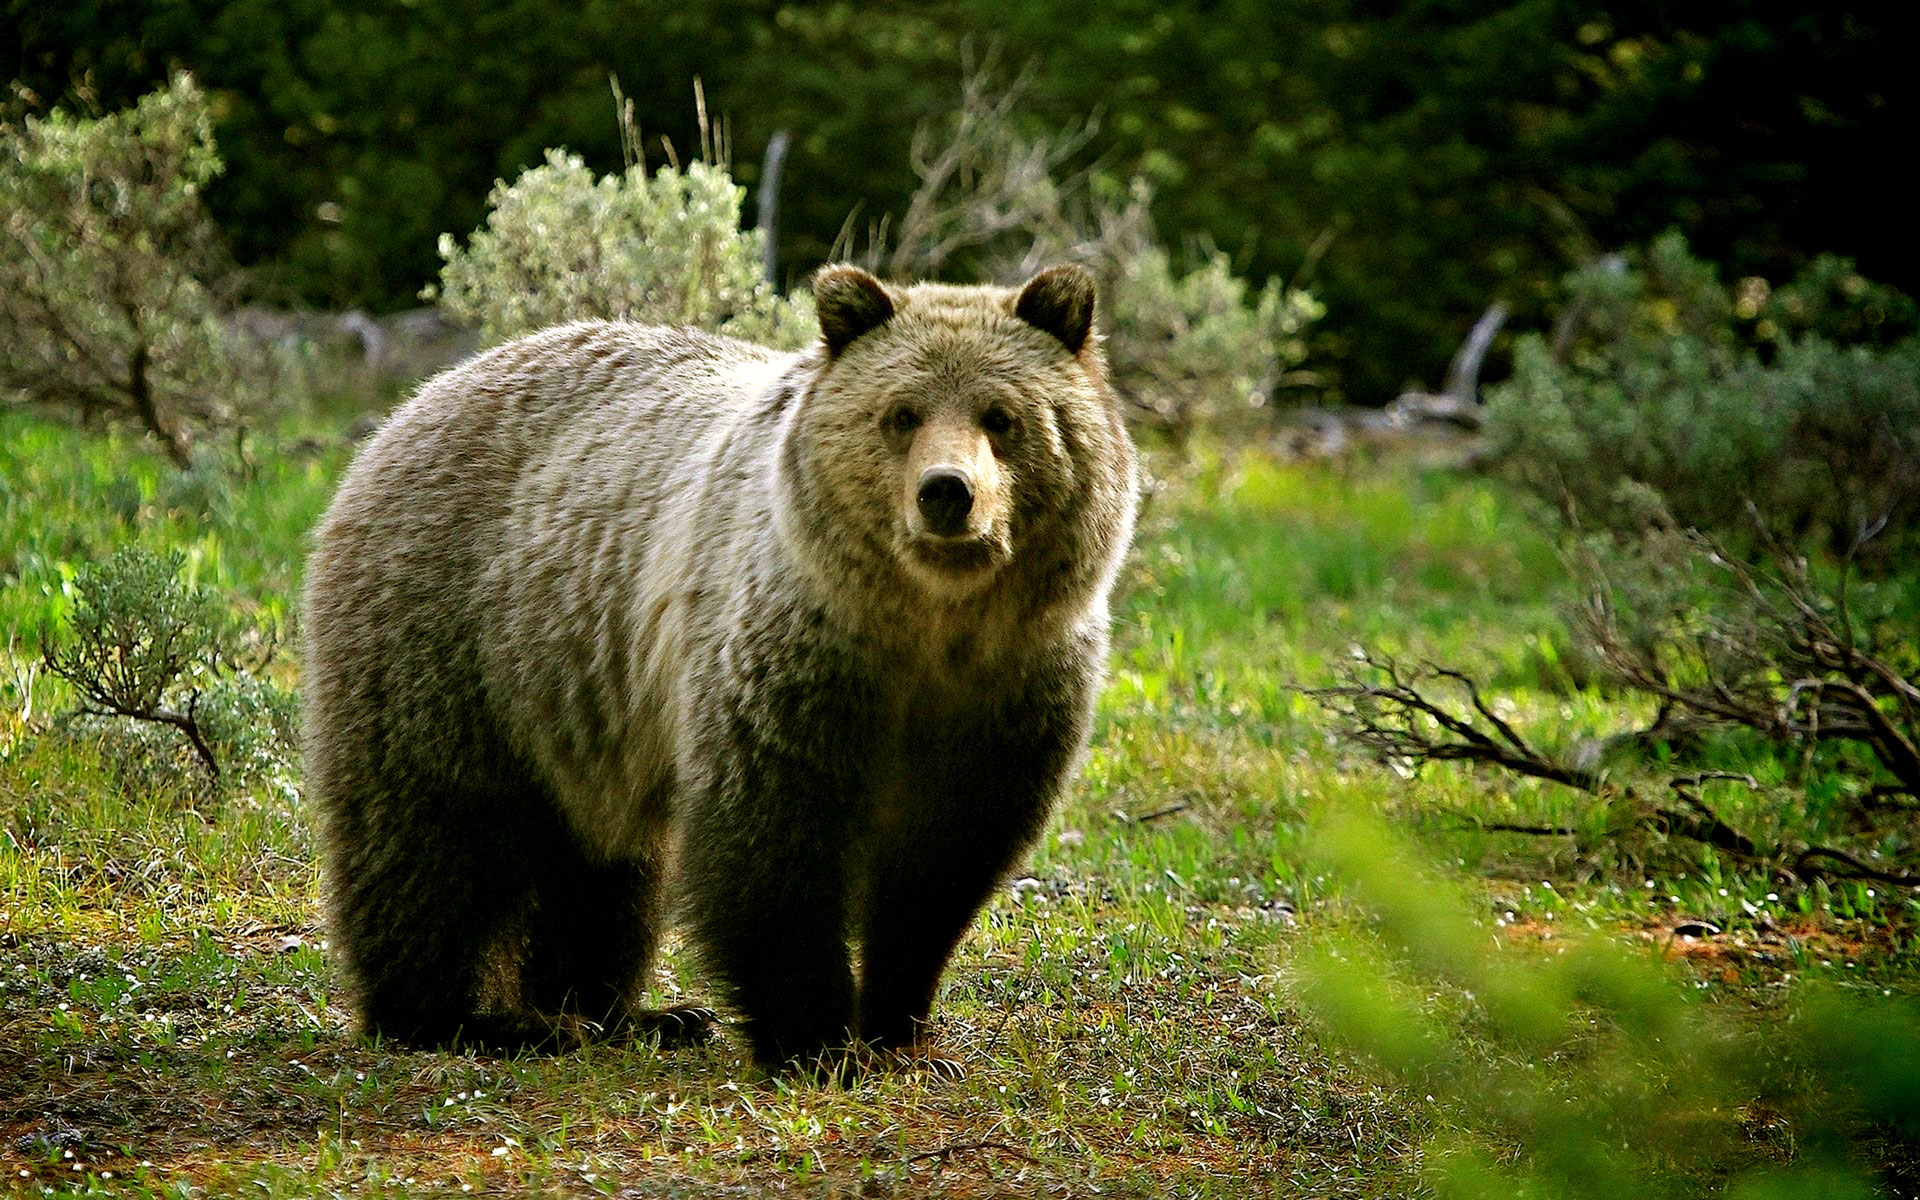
x,y
1785,660
1395,714
943,1153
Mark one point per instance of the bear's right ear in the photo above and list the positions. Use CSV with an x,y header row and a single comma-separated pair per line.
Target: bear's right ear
x,y
850,302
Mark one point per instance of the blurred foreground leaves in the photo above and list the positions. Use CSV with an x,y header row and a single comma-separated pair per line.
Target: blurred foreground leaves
x,y
1585,1069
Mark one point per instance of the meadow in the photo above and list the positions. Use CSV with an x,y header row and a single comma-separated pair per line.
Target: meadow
x,y
1143,1011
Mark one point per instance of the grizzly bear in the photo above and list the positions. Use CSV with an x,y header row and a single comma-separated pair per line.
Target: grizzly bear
x,y
811,640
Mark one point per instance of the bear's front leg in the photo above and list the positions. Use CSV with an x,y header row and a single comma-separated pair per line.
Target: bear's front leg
x,y
767,820
772,922
975,796
924,894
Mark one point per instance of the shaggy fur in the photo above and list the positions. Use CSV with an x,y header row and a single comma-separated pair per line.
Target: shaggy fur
x,y
610,598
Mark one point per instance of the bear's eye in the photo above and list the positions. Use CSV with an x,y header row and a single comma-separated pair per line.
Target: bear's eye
x,y
997,421
903,420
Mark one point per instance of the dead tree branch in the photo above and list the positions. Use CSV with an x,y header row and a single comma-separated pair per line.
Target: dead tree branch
x,y
1852,868
1395,712
1397,721
1780,655
984,182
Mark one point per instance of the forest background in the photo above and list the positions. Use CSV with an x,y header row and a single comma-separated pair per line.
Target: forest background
x,y
1408,162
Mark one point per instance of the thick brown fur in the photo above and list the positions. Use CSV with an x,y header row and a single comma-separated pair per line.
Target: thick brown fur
x,y
612,606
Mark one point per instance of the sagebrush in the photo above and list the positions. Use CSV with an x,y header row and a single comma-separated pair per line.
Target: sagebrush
x,y
660,246
116,291
1654,407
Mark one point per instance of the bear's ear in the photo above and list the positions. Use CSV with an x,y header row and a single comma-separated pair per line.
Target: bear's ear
x,y
1060,301
850,302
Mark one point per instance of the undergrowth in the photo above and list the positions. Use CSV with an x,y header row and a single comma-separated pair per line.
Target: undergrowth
x,y
1132,1009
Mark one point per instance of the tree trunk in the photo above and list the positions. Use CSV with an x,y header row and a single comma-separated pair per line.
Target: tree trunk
x,y
140,389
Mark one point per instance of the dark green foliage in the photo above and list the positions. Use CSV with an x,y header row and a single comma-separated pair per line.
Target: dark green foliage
x,y
1658,410
1407,162
358,132
1829,300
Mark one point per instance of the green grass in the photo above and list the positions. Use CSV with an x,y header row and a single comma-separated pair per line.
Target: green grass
x,y
1133,1011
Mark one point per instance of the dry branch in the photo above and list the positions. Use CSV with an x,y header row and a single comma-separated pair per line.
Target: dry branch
x,y
1779,655
1395,712
982,180
1399,722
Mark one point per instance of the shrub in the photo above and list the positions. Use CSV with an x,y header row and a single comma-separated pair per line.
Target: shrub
x,y
142,644
113,282
664,247
1659,410
1198,345
1830,300
1202,346
1592,1071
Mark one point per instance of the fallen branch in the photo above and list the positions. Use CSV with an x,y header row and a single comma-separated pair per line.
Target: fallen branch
x,y
1855,869
1158,814
1532,830
1388,719
1781,656
1394,717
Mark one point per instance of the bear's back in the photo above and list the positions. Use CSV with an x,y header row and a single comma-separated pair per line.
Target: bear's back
x,y
495,551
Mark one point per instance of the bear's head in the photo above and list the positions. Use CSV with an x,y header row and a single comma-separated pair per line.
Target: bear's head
x,y
965,434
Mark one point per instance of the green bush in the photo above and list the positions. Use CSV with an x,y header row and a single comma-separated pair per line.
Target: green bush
x,y
1594,1071
114,287
138,631
1659,408
141,644
663,247
1203,346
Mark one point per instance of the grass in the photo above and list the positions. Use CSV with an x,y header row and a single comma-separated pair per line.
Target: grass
x,y
1138,1011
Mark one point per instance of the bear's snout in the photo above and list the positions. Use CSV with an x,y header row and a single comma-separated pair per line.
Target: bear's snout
x,y
945,498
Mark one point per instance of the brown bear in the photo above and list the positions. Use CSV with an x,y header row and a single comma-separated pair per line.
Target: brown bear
x,y
813,637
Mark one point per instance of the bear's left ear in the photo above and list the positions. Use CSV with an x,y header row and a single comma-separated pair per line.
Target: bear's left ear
x,y
850,302
1060,301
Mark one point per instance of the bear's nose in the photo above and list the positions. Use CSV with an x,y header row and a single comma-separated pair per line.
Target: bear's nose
x,y
945,500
